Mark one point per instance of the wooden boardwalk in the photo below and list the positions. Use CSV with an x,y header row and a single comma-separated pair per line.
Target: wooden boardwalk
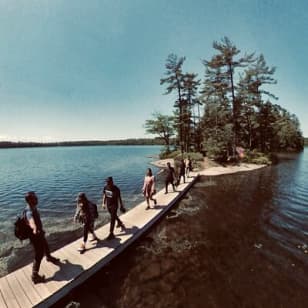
x,y
17,289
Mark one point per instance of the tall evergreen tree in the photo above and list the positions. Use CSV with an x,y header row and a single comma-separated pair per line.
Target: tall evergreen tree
x,y
174,81
251,94
227,61
190,88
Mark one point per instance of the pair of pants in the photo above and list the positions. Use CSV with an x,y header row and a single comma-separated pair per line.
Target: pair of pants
x,y
182,175
87,227
41,248
167,182
114,217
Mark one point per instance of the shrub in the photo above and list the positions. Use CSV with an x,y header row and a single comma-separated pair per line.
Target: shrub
x,y
256,157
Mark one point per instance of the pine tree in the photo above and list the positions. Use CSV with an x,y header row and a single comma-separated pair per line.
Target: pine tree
x,y
174,80
227,61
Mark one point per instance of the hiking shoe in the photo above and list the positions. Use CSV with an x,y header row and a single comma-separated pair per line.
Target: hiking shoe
x,y
82,248
38,279
52,259
110,237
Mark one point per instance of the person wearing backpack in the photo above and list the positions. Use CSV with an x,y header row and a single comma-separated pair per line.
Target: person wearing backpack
x,y
37,237
86,213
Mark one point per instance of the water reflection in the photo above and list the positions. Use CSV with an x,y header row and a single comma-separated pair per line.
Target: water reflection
x,y
234,241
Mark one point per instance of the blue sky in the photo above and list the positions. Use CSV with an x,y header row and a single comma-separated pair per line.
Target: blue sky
x,y
90,70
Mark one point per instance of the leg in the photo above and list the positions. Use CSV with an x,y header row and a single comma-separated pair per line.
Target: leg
x,y
172,183
91,229
86,229
154,200
166,186
82,247
38,256
49,257
119,222
114,217
148,202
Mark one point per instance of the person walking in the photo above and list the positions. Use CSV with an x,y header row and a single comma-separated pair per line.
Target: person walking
x,y
111,199
148,188
182,170
189,167
170,177
37,237
86,213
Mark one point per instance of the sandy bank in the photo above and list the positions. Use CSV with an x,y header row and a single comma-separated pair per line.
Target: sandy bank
x,y
212,168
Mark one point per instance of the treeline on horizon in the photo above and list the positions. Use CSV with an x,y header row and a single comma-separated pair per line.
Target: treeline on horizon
x,y
230,109
131,141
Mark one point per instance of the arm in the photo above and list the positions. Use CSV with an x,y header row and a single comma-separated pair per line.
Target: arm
x,y
122,208
33,225
153,184
104,200
120,199
76,213
31,222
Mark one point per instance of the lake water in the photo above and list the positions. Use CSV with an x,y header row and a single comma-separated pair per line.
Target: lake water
x,y
236,240
57,174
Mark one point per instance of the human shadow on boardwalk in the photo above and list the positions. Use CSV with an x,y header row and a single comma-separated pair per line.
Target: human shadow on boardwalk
x,y
158,207
117,240
66,272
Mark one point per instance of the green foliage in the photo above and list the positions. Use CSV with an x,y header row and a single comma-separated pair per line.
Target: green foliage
x,y
161,125
256,157
166,153
235,112
185,87
177,155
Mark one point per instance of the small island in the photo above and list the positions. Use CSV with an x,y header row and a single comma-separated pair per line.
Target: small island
x,y
229,116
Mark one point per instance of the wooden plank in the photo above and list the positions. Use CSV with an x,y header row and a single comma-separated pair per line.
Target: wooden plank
x,y
74,257
20,294
28,286
76,268
8,294
65,272
2,302
40,288
49,270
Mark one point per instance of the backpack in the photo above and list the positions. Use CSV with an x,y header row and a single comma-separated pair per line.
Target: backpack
x,y
21,228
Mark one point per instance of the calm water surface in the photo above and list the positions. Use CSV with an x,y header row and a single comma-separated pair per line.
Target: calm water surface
x,y
236,240
57,174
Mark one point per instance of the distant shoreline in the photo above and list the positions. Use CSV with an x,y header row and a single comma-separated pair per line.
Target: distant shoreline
x,y
141,141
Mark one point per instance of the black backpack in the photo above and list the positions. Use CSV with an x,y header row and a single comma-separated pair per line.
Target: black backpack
x,y
21,228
